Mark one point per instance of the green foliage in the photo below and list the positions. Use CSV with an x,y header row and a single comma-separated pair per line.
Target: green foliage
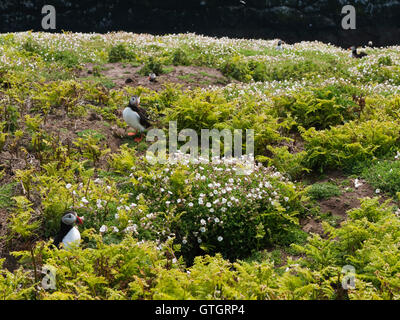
x,y
289,163
9,114
326,190
67,58
210,110
15,285
152,64
237,69
349,144
180,58
203,110
132,270
367,242
124,161
90,147
141,217
384,175
96,71
118,53
120,271
6,192
20,221
319,109
31,46
3,136
385,61
247,69
97,136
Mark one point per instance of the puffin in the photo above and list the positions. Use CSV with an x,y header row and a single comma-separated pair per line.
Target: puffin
x,y
279,46
136,117
357,55
68,232
152,77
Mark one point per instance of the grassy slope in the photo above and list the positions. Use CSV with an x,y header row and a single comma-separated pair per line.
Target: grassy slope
x,y
313,109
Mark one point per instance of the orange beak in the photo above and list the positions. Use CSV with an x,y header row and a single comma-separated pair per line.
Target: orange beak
x,y
80,221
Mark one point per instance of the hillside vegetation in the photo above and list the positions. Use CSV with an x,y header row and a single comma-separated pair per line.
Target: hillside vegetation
x,y
323,193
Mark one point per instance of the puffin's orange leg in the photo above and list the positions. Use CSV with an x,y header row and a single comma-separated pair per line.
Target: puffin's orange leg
x,y
138,139
131,134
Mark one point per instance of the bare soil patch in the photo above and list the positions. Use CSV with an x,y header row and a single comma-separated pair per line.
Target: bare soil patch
x,y
339,205
349,199
310,225
67,129
187,76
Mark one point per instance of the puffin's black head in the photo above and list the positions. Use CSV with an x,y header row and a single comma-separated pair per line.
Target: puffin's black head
x,y
67,223
279,42
152,76
353,48
70,218
134,101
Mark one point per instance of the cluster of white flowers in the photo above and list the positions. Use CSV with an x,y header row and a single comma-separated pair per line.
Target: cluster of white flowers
x,y
217,188
357,183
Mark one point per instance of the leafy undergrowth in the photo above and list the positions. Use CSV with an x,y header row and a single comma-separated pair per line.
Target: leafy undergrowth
x,y
320,191
198,230
143,270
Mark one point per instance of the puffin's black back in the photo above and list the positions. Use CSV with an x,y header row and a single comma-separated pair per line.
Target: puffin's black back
x,y
144,121
64,229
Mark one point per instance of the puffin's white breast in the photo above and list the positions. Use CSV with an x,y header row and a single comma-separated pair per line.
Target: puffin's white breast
x,y
72,236
132,118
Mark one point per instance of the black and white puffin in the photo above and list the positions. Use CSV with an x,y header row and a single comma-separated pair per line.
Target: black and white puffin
x,y
68,232
279,46
357,55
136,117
152,77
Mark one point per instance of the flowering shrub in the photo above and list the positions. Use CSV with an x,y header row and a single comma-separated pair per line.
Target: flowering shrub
x,y
211,207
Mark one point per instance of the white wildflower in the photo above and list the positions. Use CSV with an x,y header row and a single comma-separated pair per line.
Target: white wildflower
x,y
357,183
